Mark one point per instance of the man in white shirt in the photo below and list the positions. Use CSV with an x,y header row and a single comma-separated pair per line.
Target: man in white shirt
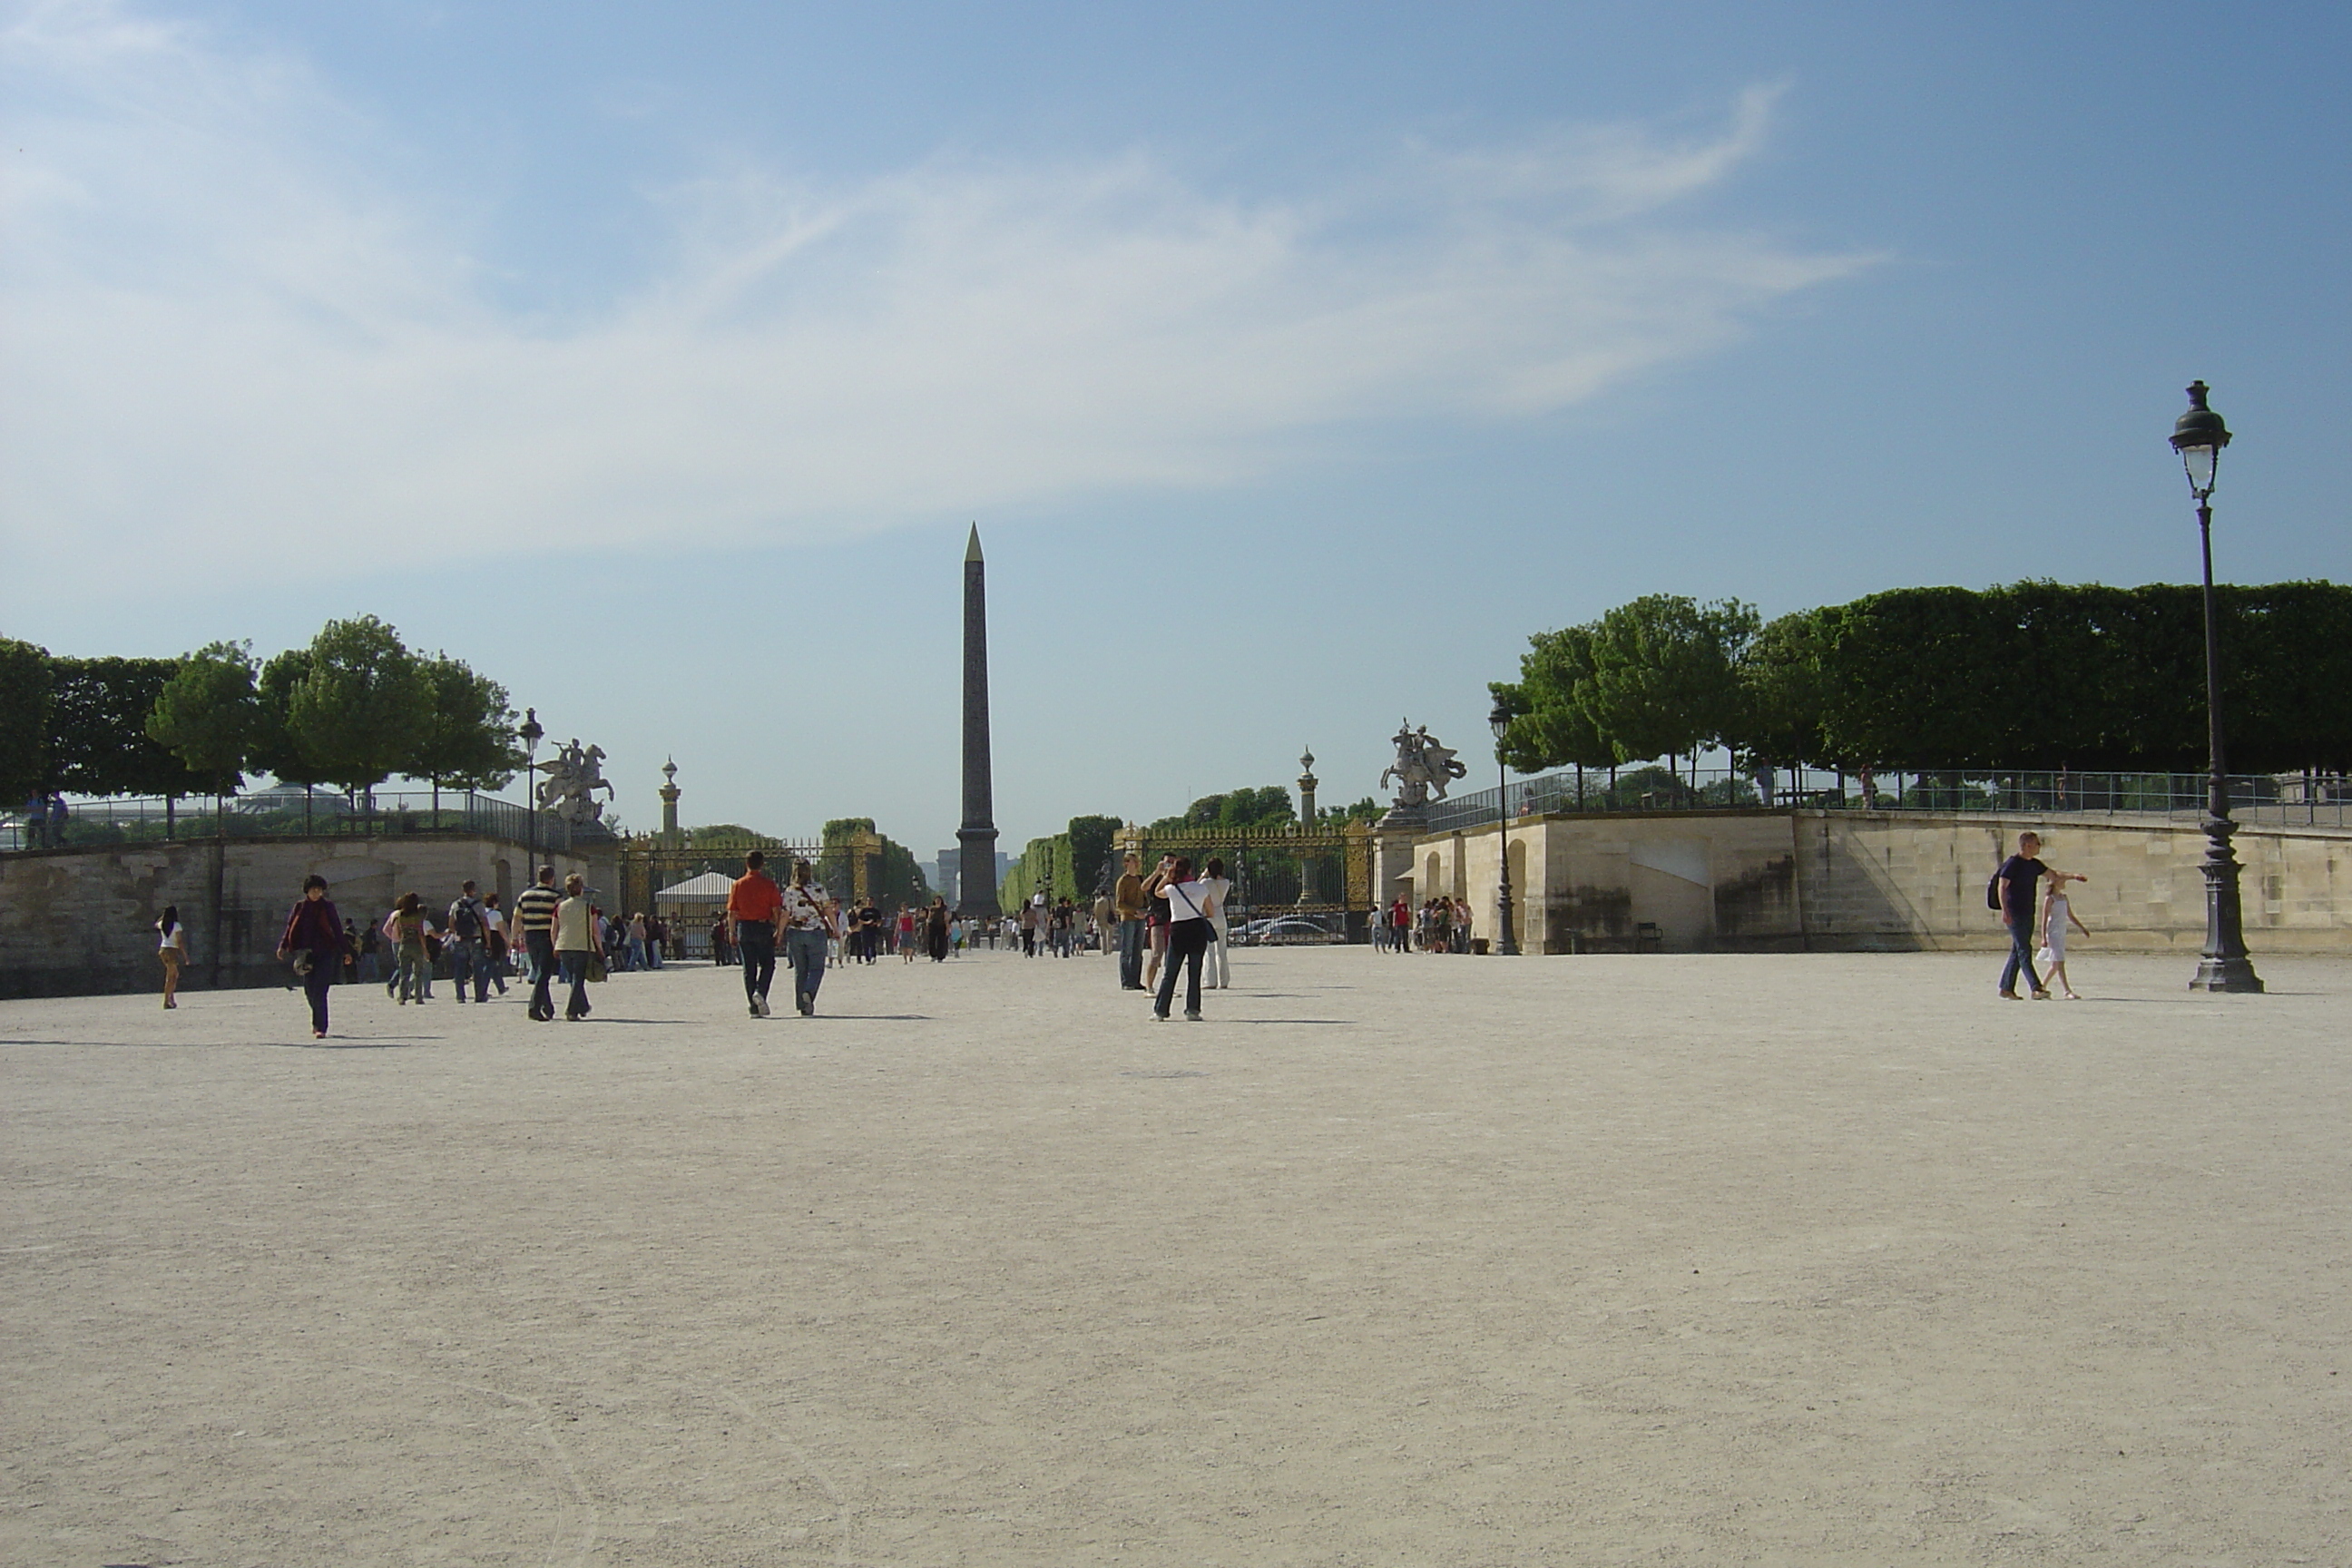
x,y
807,914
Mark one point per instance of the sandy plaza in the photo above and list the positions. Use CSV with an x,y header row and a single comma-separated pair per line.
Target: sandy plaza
x,y
1791,1260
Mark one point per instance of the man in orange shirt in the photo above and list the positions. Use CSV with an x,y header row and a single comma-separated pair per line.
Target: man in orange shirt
x,y
756,906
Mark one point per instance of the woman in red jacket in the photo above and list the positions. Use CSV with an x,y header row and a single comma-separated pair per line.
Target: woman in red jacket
x,y
314,941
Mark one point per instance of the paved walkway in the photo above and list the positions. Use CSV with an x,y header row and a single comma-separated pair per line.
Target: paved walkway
x,y
1804,1260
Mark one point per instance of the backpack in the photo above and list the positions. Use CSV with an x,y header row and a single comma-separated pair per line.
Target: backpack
x,y
1992,888
465,919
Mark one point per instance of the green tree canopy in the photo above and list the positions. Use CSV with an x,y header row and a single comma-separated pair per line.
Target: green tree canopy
x,y
467,741
208,715
1781,700
25,684
1090,840
1665,681
1550,704
357,716
1262,809
275,749
98,743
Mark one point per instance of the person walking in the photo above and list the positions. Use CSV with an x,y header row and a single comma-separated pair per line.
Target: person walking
x,y
577,943
1399,926
720,957
1127,908
469,957
2057,913
313,939
1218,974
808,924
906,933
172,951
534,922
656,938
1189,906
755,906
935,930
2014,885
493,942
637,959
405,929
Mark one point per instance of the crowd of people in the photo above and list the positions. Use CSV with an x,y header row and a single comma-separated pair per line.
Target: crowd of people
x,y
1167,925
1441,925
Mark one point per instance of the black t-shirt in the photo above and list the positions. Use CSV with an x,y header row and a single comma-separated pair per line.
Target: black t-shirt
x,y
2021,874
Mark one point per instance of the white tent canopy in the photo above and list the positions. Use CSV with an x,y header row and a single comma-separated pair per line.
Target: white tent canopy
x,y
711,887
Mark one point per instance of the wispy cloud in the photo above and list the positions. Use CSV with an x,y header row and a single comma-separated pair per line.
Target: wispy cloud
x,y
224,323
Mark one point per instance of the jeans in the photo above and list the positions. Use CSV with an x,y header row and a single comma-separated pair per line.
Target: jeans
x,y
755,945
540,946
575,971
315,983
469,961
1130,956
652,952
804,950
2021,956
637,953
1187,941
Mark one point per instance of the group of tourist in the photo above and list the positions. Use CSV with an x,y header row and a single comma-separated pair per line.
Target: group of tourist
x,y
1443,925
1178,920
45,816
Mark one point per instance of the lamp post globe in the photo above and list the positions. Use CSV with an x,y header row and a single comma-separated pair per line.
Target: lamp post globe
x,y
2198,437
1507,942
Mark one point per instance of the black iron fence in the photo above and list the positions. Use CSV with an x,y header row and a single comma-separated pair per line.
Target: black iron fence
x,y
286,814
2257,800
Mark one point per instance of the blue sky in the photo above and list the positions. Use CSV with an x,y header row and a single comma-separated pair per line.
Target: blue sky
x,y
1297,362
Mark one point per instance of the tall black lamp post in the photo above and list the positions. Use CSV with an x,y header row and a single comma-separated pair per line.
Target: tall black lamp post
x,y
2198,437
1506,945
531,734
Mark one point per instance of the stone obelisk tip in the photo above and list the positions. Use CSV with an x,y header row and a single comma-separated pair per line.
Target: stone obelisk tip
x,y
972,550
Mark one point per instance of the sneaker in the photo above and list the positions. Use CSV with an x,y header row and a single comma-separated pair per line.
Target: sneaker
x,y
1192,1017
1157,1017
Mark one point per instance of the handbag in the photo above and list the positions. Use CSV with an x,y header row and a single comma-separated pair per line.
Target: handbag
x,y
595,969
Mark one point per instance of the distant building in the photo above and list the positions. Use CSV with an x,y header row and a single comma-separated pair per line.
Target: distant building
x,y
945,872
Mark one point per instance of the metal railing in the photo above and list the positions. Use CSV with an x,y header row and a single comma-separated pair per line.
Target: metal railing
x,y
2256,800
288,814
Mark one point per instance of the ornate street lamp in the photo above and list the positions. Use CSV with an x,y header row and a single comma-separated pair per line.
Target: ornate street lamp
x,y
2198,437
1506,945
531,734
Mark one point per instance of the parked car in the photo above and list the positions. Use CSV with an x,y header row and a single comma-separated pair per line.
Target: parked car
x,y
1274,928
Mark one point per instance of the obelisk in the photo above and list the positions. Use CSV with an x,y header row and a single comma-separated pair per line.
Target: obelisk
x,y
976,894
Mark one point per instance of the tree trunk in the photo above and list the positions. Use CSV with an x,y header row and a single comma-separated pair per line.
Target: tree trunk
x,y
171,817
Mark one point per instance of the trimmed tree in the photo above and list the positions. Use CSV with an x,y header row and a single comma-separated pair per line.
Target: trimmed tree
x,y
467,741
25,685
208,716
357,716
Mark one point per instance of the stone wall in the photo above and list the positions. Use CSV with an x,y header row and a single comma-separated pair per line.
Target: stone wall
x,y
77,921
1816,880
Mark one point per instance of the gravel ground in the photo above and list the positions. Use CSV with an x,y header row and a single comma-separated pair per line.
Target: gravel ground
x,y
1787,1260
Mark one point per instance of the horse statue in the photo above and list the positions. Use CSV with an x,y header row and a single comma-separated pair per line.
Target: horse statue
x,y
1422,766
573,774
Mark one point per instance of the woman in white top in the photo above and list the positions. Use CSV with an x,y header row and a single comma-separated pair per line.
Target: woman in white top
x,y
172,948
1220,973
2057,913
1190,906
575,944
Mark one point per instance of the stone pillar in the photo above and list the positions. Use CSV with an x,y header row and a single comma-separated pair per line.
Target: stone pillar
x,y
976,881
669,793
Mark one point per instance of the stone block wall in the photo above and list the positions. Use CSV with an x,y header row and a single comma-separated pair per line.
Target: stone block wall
x,y
1792,881
81,922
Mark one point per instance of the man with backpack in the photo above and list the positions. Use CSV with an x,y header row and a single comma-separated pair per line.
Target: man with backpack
x,y
469,956
2011,892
